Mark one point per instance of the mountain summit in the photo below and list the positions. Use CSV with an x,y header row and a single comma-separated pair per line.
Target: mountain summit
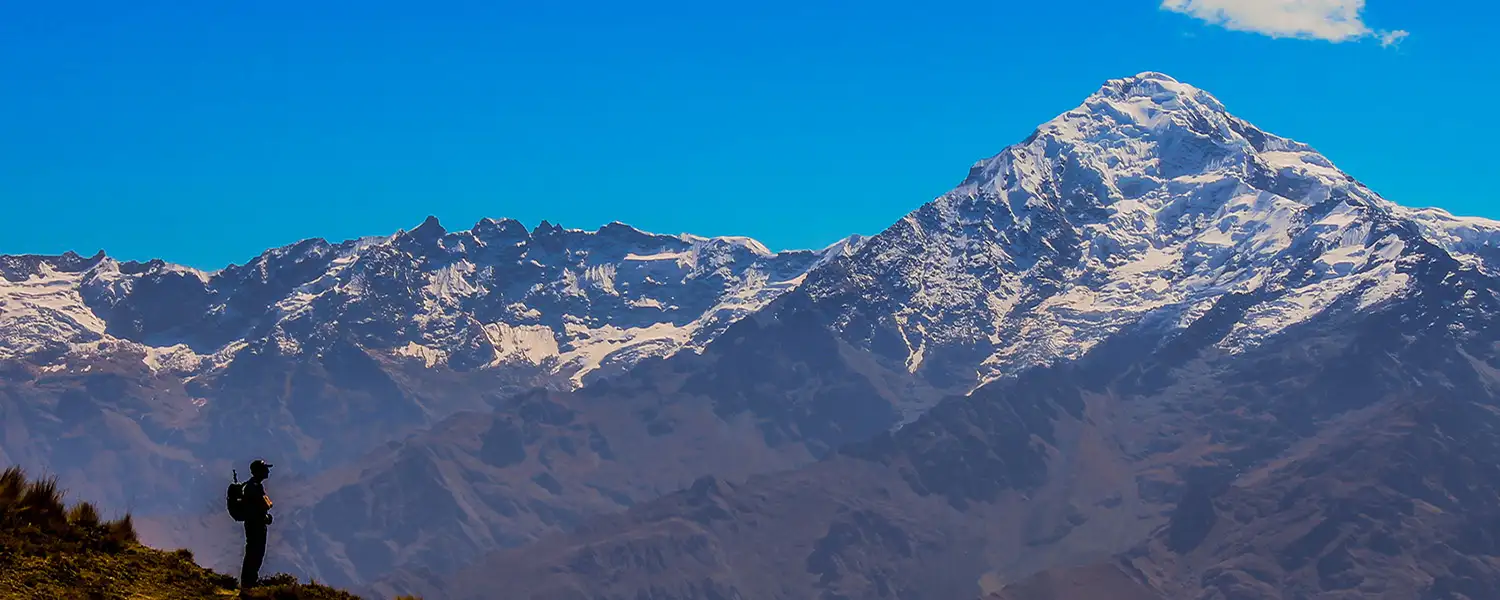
x,y
1145,205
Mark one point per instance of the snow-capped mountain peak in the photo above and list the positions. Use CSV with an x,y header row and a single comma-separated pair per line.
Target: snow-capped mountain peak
x,y
1146,205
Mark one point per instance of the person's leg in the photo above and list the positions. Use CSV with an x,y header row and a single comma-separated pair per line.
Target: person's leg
x,y
255,552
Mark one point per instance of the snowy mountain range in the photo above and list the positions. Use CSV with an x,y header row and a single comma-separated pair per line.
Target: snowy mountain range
x,y
1208,365
565,302
318,352
1148,217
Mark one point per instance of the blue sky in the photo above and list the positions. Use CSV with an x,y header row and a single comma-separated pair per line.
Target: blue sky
x,y
204,132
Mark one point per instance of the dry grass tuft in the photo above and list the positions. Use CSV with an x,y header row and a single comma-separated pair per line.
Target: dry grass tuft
x,y
282,586
32,515
12,484
120,533
41,506
84,514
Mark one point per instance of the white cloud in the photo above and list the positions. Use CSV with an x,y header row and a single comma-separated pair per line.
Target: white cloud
x,y
1332,20
1391,38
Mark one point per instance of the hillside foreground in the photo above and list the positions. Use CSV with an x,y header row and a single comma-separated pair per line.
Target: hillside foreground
x,y
49,550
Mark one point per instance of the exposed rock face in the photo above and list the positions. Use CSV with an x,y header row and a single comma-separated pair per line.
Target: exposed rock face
x,y
1399,502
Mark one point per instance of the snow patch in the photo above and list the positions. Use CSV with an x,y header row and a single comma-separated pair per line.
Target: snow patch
x,y
588,348
673,256
429,356
175,359
531,344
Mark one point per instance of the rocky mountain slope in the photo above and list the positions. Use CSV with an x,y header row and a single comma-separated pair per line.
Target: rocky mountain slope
x,y
1162,298
130,379
1346,455
1401,502
767,395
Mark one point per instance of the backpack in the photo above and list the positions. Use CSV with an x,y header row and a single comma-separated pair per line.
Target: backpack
x,y
234,498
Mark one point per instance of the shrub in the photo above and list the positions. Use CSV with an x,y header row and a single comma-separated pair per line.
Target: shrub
x,y
119,534
282,586
12,484
41,506
278,579
84,514
228,582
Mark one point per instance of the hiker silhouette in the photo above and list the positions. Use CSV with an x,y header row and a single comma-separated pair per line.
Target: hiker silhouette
x,y
254,508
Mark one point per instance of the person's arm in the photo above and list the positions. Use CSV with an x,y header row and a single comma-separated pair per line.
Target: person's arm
x,y
266,500
258,492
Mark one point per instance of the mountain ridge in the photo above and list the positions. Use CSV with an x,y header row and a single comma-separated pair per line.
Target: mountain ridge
x,y
1265,265
19,269
1063,465
1042,209
383,333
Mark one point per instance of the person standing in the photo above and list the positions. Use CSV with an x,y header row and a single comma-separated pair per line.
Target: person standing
x,y
257,507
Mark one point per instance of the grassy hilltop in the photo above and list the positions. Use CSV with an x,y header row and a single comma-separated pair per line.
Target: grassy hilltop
x,y
49,550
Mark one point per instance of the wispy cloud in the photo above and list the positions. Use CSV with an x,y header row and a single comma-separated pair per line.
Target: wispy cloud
x,y
1391,38
1332,20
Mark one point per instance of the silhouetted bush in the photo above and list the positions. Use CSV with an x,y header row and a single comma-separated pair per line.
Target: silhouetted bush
x,y
228,582
12,485
84,515
41,506
278,579
121,533
282,586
